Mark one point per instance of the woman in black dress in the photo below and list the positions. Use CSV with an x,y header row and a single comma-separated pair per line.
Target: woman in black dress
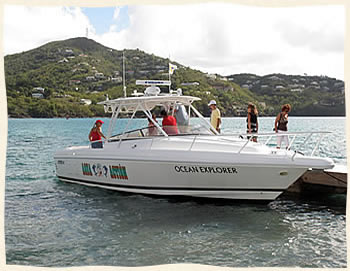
x,y
252,121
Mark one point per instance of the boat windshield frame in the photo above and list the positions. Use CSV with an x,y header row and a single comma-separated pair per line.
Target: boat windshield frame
x,y
145,104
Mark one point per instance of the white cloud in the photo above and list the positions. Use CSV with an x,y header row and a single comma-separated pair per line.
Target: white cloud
x,y
220,38
28,27
227,38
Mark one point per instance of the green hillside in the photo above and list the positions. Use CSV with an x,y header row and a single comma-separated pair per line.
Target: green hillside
x,y
63,77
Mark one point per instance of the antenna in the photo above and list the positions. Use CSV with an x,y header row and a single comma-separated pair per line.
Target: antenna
x,y
87,32
124,87
169,73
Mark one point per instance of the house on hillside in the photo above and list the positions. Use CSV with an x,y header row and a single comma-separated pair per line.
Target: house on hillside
x,y
339,84
83,63
39,89
144,72
99,75
279,87
90,78
211,76
274,77
69,52
74,82
296,90
117,79
38,95
190,84
64,60
85,101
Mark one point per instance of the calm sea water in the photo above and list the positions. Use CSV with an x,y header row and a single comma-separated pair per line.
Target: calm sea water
x,y
50,223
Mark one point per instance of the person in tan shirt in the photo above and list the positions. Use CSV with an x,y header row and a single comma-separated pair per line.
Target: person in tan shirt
x,y
215,117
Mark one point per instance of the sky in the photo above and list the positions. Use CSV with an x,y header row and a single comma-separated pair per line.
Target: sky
x,y
222,38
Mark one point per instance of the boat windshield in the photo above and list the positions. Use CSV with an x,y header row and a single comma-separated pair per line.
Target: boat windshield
x,y
195,127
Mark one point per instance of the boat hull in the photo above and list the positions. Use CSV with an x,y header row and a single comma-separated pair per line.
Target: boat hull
x,y
212,180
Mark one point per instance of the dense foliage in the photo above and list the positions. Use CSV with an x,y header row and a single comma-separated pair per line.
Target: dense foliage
x,y
53,81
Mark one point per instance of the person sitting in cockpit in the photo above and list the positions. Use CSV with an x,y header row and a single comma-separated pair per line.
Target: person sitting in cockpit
x,y
169,123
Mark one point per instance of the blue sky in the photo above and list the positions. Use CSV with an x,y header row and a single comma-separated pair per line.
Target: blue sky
x,y
102,18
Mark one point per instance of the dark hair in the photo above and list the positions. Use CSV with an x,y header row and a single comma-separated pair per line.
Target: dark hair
x,y
286,106
253,107
163,113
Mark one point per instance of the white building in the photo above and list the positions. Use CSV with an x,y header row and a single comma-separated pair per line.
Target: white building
x,y
99,75
211,75
274,77
63,60
90,78
297,90
117,79
38,95
40,89
190,84
85,101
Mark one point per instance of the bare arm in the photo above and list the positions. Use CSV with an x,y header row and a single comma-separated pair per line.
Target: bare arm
x,y
276,121
218,125
249,124
90,135
100,132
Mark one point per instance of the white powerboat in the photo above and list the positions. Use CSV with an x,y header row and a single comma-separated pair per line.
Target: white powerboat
x,y
196,161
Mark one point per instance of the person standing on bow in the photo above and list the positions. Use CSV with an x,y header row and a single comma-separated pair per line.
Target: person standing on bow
x,y
215,117
281,123
252,121
95,135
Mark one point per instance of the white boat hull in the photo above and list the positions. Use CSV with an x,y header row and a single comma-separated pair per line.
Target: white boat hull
x,y
212,169
169,178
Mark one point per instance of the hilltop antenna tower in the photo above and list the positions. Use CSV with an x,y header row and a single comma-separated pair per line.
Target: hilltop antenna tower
x,y
87,32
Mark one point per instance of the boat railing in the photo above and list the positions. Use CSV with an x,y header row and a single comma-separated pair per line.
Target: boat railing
x,y
246,138
299,142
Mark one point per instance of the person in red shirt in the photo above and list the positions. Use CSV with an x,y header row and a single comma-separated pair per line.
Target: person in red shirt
x,y
169,123
96,135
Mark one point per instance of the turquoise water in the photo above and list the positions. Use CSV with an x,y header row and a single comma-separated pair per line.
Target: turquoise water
x,y
50,223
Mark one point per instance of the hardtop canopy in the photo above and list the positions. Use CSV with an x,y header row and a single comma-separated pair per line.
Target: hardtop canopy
x,y
132,104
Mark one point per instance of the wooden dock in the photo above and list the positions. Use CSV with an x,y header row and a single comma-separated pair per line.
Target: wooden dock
x,y
332,181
